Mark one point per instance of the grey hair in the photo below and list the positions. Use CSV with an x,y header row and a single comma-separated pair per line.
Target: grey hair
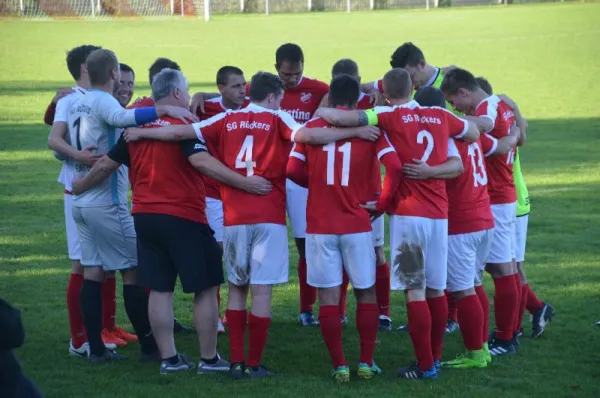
x,y
166,81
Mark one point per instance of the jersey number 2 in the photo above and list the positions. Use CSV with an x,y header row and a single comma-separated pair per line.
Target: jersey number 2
x,y
423,136
245,153
345,150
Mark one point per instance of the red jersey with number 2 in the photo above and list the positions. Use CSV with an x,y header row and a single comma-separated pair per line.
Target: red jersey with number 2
x,y
420,133
251,141
501,185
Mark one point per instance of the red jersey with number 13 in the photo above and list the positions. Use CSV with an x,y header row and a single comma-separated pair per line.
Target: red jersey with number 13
x,y
501,184
251,141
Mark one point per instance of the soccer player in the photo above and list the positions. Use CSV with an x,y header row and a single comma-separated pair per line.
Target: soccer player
x,y
78,345
382,280
338,230
418,224
302,98
232,86
253,141
103,221
470,224
174,238
541,312
410,58
126,85
494,117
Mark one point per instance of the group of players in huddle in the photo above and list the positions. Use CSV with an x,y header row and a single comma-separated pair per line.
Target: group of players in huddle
x,y
212,181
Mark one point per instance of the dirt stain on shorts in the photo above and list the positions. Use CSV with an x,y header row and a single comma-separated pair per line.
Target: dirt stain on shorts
x,y
411,269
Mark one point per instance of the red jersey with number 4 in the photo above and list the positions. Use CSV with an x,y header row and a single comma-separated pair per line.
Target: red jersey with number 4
x,y
501,184
213,107
336,181
251,141
468,200
420,133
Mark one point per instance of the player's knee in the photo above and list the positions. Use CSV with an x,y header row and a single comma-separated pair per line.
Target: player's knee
x,y
76,267
129,276
433,293
95,274
499,270
457,295
366,296
415,295
329,295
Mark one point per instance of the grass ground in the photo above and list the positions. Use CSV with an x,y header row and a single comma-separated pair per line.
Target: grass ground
x,y
546,57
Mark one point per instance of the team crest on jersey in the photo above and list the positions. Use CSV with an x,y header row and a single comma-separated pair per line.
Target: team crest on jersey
x,y
305,97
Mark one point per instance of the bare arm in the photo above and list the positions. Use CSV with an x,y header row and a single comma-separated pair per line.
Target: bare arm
x,y
483,124
521,122
100,172
342,118
472,134
321,136
419,170
324,101
171,133
368,87
212,167
58,143
505,144
198,101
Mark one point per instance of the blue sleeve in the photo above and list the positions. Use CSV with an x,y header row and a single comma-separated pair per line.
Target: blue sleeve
x,y
145,115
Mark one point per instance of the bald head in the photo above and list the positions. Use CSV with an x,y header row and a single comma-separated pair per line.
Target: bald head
x,y
397,84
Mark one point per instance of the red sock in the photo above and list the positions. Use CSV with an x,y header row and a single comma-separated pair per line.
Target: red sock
x,y
533,303
219,299
308,294
523,305
236,323
344,294
470,321
367,324
78,335
505,306
331,330
452,307
518,323
419,327
485,307
438,308
382,288
258,331
109,303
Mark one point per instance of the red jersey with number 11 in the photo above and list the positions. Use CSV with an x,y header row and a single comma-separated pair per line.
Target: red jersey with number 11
x,y
251,141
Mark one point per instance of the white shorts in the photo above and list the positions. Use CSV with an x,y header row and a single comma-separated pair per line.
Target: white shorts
x,y
521,237
107,237
504,239
256,254
214,215
296,200
326,255
73,245
419,251
378,233
467,256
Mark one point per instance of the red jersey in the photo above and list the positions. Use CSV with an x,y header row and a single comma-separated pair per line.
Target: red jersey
x,y
337,179
468,200
162,179
143,103
501,184
420,133
251,141
364,103
213,107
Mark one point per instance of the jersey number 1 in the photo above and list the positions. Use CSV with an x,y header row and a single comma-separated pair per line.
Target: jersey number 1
x,y
76,126
246,154
345,150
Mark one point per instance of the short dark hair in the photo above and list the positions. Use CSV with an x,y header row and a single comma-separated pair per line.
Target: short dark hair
x,y
397,83
289,52
485,85
100,64
344,90
160,64
77,56
407,55
344,66
226,71
430,96
458,78
263,84
126,68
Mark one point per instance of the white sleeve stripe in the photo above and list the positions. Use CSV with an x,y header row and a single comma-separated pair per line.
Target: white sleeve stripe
x,y
290,123
385,151
376,85
492,110
465,129
294,131
197,129
452,149
494,146
298,156
383,109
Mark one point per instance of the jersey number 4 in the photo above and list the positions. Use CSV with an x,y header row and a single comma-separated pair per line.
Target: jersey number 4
x,y
345,150
244,156
479,174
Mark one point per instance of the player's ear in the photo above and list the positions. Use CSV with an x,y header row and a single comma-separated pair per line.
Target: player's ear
x,y
220,87
276,67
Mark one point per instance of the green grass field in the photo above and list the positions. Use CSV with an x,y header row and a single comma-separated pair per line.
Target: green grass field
x,y
545,57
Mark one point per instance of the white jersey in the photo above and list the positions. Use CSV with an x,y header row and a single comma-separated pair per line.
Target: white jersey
x,y
67,171
95,119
